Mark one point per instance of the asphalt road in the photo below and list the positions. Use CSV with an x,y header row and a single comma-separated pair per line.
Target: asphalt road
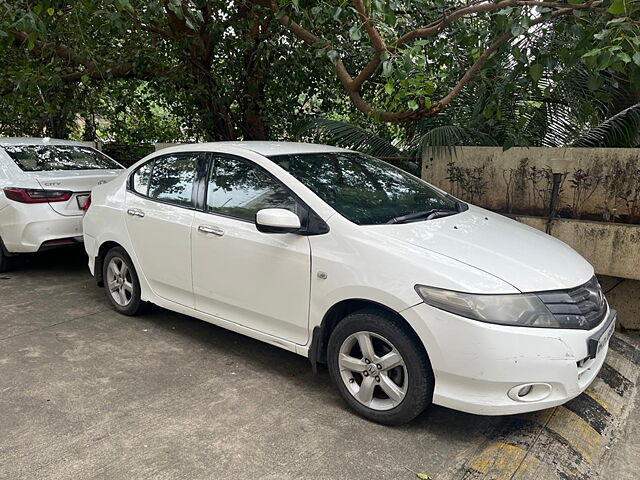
x,y
87,393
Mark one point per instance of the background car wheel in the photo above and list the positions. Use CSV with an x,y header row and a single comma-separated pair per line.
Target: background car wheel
x,y
4,261
380,369
121,282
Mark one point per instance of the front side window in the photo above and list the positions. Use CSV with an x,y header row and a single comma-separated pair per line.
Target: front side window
x,y
44,158
366,190
239,189
169,179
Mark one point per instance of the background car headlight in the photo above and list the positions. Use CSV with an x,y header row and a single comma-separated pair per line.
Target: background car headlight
x,y
524,310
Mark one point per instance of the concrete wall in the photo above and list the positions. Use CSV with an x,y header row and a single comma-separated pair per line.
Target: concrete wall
x,y
612,249
519,179
160,146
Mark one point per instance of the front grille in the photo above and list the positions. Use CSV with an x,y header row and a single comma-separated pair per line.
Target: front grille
x,y
583,307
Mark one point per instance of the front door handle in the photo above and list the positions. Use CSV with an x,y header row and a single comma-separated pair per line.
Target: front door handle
x,y
211,230
134,212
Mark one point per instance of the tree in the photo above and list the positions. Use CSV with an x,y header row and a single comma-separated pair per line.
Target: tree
x,y
218,64
249,68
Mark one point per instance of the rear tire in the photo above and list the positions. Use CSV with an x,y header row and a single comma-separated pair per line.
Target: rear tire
x,y
380,368
4,260
121,282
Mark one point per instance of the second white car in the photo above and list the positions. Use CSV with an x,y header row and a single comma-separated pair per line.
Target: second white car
x,y
44,185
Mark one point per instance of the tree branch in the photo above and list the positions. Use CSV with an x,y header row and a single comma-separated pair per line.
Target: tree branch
x,y
86,66
354,86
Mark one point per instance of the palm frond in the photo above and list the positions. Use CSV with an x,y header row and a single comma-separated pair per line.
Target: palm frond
x,y
621,130
447,137
347,135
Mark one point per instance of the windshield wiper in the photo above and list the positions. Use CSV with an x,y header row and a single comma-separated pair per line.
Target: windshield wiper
x,y
425,215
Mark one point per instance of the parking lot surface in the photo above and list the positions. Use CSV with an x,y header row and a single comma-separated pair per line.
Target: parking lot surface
x,y
87,393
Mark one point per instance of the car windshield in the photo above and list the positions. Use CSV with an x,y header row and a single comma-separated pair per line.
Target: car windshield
x,y
40,158
366,190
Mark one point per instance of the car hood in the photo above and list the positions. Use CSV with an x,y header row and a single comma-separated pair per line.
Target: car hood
x,y
522,256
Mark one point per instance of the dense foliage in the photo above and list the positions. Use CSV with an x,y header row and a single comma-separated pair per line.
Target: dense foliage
x,y
404,74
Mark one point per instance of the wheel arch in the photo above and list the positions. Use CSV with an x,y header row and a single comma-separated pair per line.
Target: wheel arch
x,y
99,260
339,311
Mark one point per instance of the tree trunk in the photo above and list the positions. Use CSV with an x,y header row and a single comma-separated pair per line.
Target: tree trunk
x,y
60,120
253,98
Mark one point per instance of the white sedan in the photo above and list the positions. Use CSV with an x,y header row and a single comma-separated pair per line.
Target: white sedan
x,y
44,184
409,295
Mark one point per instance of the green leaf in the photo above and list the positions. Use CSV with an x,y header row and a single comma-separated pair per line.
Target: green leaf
x,y
388,88
636,58
125,5
624,57
387,68
333,56
535,71
51,11
592,53
84,79
413,105
617,7
517,30
601,35
604,60
354,33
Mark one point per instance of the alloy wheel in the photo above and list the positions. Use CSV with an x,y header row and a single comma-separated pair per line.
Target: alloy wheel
x,y
119,281
373,370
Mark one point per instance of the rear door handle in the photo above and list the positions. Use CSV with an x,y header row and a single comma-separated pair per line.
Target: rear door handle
x,y
211,230
134,212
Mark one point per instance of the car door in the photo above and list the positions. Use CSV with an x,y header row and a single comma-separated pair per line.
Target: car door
x,y
258,280
160,208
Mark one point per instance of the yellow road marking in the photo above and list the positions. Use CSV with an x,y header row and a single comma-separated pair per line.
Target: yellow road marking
x,y
599,399
578,433
500,461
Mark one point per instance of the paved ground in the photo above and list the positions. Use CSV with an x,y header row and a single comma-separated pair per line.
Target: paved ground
x,y
86,393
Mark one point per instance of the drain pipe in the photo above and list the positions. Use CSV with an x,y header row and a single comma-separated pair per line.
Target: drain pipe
x,y
555,197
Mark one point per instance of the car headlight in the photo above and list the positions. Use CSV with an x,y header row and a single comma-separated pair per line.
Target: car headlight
x,y
523,310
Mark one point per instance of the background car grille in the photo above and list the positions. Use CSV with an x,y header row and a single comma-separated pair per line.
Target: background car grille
x,y
583,307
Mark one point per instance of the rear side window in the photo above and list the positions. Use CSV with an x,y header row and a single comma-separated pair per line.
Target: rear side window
x,y
169,179
141,179
44,158
239,189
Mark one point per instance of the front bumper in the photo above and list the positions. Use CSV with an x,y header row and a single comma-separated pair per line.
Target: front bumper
x,y
478,366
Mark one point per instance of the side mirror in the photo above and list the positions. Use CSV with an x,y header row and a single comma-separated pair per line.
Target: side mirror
x,y
277,220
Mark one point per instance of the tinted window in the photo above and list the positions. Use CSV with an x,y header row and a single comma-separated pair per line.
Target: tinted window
x,y
364,189
172,179
37,158
239,189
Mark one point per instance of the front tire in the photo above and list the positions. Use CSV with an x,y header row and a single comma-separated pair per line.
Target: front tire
x,y
380,369
121,282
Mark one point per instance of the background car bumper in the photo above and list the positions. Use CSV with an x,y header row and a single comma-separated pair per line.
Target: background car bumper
x,y
479,367
25,228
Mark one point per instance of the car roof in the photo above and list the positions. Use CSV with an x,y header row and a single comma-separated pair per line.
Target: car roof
x,y
267,149
6,141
